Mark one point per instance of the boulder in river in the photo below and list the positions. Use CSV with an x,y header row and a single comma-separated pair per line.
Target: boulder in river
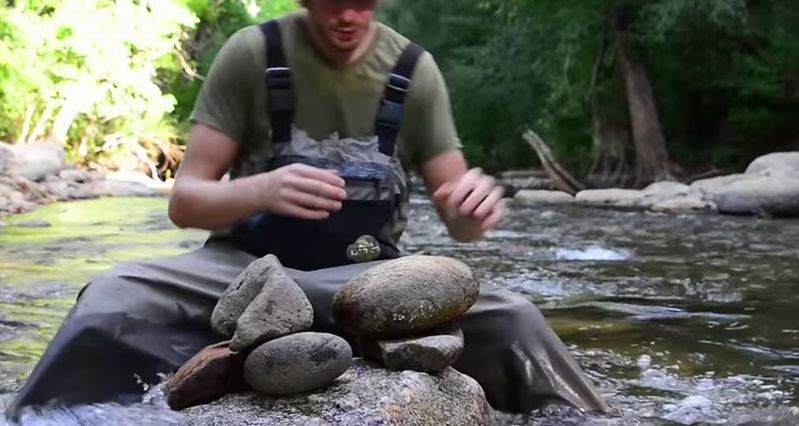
x,y
364,395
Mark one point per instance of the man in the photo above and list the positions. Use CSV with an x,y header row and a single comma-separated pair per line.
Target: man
x,y
317,152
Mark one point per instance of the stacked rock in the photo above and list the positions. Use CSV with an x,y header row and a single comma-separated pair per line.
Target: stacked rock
x,y
266,313
404,311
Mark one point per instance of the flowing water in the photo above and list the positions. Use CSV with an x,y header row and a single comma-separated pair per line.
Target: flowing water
x,y
678,319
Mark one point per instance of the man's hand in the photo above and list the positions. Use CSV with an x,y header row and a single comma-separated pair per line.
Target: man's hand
x,y
301,191
470,205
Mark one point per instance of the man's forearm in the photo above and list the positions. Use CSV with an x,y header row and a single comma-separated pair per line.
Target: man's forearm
x,y
211,205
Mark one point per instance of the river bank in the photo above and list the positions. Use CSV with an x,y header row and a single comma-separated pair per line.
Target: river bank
x,y
768,188
32,175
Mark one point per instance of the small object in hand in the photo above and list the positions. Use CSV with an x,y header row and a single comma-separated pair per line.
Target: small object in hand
x,y
364,249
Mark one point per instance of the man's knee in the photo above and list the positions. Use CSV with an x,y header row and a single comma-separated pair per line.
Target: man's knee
x,y
500,315
108,281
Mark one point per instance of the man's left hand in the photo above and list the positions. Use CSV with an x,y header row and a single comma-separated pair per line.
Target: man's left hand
x,y
471,205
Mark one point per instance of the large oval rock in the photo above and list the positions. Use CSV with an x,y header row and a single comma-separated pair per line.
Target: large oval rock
x,y
364,395
406,296
297,363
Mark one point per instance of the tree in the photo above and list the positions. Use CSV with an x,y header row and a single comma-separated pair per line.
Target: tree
x,y
696,83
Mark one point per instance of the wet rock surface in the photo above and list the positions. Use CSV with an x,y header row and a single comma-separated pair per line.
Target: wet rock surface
x,y
406,297
297,363
364,395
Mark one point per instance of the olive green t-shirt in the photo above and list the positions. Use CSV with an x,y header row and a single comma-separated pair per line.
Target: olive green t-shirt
x,y
328,100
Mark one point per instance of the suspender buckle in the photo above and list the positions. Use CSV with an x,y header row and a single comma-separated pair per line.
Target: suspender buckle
x,y
399,83
278,83
278,78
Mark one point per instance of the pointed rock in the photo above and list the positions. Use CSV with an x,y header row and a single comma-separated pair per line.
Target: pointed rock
x,y
281,308
239,294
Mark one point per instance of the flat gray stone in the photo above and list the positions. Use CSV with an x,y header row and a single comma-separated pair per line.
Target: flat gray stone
x,y
297,363
683,204
615,197
430,354
406,297
364,395
240,293
541,197
281,308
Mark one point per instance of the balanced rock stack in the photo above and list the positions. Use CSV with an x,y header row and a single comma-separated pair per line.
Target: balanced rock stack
x,y
267,314
403,315
404,312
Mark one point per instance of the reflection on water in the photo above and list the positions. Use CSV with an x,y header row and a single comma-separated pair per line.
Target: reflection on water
x,y
678,319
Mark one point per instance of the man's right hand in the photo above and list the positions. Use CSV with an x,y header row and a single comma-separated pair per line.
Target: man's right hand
x,y
202,199
301,191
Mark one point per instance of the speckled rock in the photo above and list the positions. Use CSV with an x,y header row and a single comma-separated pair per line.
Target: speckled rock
x,y
297,363
405,297
364,395
281,308
240,293
430,354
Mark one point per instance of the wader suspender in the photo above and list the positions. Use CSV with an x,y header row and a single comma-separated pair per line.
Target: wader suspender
x,y
281,95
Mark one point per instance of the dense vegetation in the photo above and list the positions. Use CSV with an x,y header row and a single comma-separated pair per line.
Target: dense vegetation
x,y
113,80
625,91
715,81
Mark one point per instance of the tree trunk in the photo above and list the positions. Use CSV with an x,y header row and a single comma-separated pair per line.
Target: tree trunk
x,y
610,136
652,159
63,121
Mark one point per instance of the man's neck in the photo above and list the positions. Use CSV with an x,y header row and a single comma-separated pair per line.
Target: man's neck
x,y
339,58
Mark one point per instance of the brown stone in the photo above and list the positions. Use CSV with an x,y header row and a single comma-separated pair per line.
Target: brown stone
x,y
207,376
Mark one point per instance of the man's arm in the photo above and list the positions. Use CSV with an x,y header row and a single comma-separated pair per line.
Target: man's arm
x,y
200,200
468,202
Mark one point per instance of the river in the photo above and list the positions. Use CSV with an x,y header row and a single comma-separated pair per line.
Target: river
x,y
678,319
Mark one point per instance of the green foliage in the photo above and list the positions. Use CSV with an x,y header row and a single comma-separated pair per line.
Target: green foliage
x,y
725,73
112,79
116,80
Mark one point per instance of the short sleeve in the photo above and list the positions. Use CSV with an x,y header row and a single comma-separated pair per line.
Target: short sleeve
x,y
429,127
226,95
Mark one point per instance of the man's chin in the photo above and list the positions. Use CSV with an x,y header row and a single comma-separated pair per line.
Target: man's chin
x,y
347,47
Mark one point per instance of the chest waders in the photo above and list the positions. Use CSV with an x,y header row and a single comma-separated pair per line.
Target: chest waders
x,y
374,180
141,320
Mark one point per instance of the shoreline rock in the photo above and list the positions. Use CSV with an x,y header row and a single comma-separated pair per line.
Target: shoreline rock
x,y
768,188
37,174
